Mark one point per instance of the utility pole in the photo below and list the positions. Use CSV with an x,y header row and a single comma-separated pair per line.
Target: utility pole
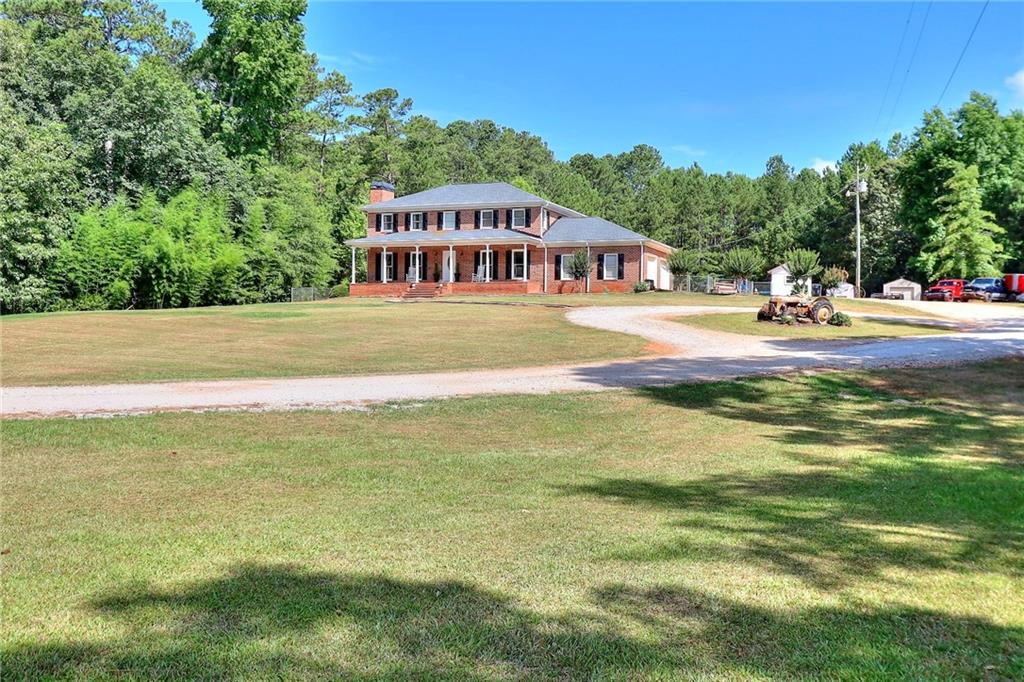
x,y
856,202
858,187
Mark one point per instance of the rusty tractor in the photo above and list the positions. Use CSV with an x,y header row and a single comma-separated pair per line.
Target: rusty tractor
x,y
818,309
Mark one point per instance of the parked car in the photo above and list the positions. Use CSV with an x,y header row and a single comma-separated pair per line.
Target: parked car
x,y
946,290
985,289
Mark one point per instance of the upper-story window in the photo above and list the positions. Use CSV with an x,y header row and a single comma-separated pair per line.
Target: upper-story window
x,y
448,220
486,219
518,217
415,221
387,222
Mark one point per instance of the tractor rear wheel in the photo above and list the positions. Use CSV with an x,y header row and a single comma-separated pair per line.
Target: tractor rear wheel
x,y
821,312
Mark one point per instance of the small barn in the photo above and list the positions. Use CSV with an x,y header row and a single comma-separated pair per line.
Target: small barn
x,y
910,291
782,281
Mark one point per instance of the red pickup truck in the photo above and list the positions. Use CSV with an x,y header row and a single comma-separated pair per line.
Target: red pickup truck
x,y
946,290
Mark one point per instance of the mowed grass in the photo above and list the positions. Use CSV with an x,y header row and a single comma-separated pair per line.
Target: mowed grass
x,y
341,337
833,526
877,307
747,323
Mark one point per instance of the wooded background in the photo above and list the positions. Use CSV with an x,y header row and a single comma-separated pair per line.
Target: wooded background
x,y
140,169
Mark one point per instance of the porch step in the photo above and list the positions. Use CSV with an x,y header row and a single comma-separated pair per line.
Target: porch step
x,y
421,292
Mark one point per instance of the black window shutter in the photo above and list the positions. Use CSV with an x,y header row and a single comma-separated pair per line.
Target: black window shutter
x,y
508,265
494,265
558,266
378,222
457,216
622,267
408,221
476,261
378,268
528,219
600,266
440,219
408,263
529,259
476,220
508,219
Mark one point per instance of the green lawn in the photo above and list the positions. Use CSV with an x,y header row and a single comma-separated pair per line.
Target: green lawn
x,y
682,298
747,323
339,337
836,526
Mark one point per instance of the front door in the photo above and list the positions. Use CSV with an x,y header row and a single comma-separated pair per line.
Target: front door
x,y
447,265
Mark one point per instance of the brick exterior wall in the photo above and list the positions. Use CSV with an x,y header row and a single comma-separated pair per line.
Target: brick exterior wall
x,y
500,283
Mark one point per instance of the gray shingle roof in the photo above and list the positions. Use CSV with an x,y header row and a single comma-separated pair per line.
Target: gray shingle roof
x,y
444,237
482,194
589,230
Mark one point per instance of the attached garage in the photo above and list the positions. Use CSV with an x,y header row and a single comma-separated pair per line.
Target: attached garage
x,y
910,291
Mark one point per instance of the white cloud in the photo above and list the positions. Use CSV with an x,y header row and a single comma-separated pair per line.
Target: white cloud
x,y
1016,83
821,164
353,59
687,150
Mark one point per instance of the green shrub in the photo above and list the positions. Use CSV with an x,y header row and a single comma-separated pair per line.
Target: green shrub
x,y
338,290
787,319
119,294
641,287
841,320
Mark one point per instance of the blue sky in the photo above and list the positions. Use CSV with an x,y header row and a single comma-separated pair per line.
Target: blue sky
x,y
725,85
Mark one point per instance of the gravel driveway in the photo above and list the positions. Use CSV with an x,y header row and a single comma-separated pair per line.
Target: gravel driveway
x,y
698,355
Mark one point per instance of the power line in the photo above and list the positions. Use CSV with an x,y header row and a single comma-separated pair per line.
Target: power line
x,y
963,51
910,64
895,63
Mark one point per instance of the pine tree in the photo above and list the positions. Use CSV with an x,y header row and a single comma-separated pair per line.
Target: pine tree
x,y
963,235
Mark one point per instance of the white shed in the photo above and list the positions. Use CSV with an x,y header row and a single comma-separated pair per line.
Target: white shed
x,y
844,290
782,281
911,291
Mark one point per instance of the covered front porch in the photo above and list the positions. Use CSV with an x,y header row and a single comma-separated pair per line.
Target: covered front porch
x,y
497,262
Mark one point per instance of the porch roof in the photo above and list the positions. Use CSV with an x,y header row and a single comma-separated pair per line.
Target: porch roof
x,y
446,238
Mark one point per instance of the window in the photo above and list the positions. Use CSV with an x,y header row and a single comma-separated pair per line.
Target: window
x,y
415,221
486,220
518,269
448,220
387,222
564,272
518,217
611,266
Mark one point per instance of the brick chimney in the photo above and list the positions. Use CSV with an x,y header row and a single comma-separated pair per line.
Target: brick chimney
x,y
381,191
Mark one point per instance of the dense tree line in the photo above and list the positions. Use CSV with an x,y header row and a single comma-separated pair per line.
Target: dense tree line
x,y
138,168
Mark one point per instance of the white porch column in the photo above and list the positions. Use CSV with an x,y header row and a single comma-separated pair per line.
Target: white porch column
x,y
384,265
545,269
643,263
487,267
451,263
589,265
526,270
353,265
417,280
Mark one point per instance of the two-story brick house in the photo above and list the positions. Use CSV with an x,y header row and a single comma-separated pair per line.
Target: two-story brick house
x,y
495,238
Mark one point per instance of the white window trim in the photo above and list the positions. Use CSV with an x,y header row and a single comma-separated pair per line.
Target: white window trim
x,y
444,220
390,216
412,222
564,275
522,212
615,270
518,260
490,214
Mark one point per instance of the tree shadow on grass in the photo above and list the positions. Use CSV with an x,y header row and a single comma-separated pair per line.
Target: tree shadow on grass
x,y
282,621
833,410
902,502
